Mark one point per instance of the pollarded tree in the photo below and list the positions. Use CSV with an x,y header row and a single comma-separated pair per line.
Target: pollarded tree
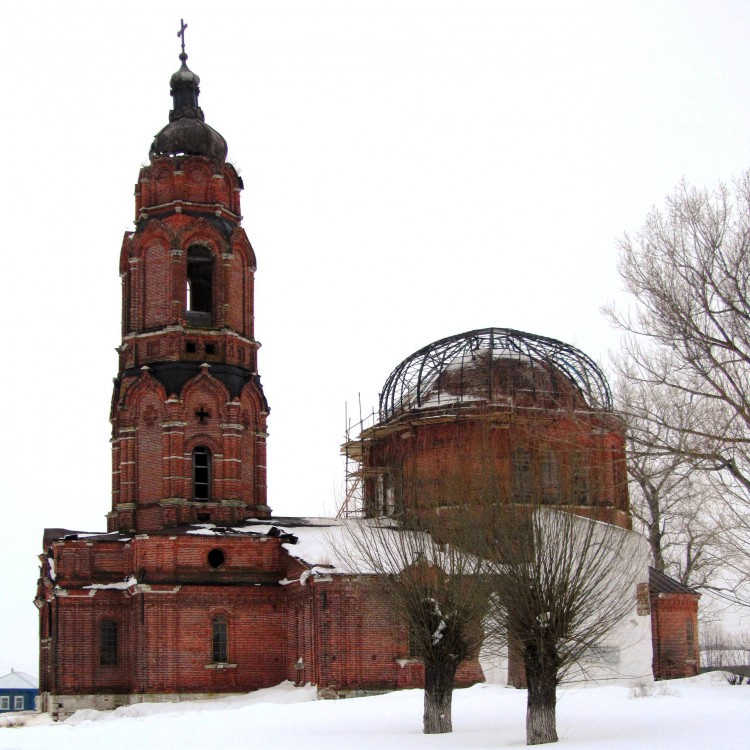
x,y
437,590
689,338
562,585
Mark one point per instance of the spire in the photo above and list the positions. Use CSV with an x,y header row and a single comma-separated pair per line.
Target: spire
x,y
184,86
187,132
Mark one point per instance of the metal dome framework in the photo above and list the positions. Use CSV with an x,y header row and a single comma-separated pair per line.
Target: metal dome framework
x,y
414,384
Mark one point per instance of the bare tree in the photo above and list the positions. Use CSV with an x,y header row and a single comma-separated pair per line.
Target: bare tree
x,y
671,501
439,593
688,338
563,583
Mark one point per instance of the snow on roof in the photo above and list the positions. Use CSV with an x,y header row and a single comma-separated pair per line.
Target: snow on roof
x,y
333,546
327,546
18,681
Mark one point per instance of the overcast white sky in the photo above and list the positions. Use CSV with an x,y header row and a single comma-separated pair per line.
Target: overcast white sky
x,y
412,170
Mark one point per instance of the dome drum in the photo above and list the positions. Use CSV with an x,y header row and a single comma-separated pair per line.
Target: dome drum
x,y
493,412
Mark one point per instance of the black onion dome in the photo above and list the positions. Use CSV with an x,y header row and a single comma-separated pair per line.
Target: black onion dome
x,y
187,133
495,366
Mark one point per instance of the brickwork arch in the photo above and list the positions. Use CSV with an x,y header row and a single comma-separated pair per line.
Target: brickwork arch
x,y
162,183
202,232
202,390
145,384
197,182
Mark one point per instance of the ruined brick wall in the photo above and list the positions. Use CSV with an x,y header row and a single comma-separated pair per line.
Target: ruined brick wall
x,y
433,464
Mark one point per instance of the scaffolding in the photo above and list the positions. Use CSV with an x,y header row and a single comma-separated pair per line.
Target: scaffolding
x,y
356,436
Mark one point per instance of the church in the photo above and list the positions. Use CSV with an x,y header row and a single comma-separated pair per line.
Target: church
x,y
195,589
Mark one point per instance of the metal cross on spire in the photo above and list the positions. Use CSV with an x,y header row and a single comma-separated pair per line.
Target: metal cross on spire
x,y
181,33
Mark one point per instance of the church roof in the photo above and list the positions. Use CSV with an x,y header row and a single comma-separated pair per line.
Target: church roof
x,y
660,583
187,132
494,365
326,546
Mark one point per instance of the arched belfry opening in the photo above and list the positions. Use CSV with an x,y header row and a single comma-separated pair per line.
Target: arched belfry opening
x,y
200,286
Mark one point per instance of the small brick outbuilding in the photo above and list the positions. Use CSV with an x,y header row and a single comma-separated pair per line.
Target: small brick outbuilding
x,y
674,625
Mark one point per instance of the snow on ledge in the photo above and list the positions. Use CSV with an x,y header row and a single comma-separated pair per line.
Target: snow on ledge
x,y
120,585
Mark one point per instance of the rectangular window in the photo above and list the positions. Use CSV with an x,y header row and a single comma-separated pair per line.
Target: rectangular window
x,y
5,703
550,476
18,703
579,480
201,474
522,476
108,643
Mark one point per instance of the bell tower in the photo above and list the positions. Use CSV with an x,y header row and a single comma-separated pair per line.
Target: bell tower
x,y
188,411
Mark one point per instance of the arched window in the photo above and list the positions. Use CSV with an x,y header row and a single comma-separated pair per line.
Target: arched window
x,y
200,286
219,639
108,643
202,474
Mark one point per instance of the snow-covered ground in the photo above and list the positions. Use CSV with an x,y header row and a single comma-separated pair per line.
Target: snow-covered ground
x,y
703,712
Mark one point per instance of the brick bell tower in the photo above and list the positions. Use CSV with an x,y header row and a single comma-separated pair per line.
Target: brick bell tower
x,y
188,411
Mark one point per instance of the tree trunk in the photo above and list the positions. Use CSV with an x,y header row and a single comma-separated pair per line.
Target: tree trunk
x,y
438,695
541,721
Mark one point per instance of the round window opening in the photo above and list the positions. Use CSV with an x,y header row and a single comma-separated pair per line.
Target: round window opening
x,y
215,558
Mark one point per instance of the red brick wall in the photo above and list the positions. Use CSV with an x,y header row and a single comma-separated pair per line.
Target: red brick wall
x,y
673,655
348,639
429,461
346,636
164,621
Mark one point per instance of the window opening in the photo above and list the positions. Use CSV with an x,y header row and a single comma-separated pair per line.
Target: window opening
x,y
550,470
619,478
200,272
522,477
108,643
190,347
210,348
389,500
216,558
5,703
579,480
219,639
18,703
202,474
